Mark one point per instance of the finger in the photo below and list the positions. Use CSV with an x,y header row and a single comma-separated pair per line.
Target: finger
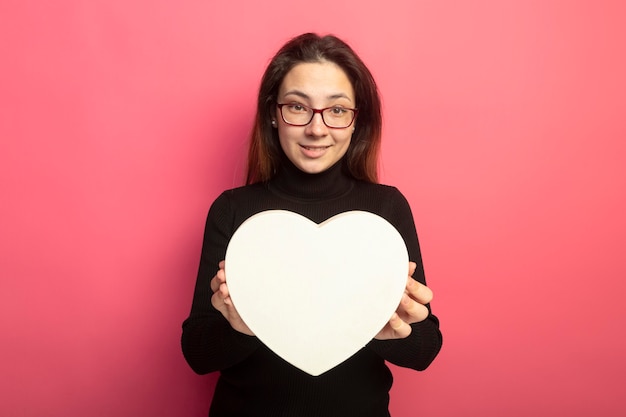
x,y
221,275
221,264
218,302
237,322
221,301
215,283
223,304
418,291
223,290
400,328
411,311
412,268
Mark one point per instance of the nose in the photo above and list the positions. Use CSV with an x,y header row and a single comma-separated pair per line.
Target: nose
x,y
317,127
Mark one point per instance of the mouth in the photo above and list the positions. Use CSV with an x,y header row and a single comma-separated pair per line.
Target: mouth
x,y
315,148
314,152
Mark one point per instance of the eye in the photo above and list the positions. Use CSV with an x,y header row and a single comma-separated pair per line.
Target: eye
x,y
297,108
338,111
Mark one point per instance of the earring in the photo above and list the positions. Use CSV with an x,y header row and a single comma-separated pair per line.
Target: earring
x,y
274,123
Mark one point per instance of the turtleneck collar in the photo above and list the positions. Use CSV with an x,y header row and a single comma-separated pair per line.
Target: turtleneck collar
x,y
291,182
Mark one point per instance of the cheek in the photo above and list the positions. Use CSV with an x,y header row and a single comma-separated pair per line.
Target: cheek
x,y
283,138
344,139
281,134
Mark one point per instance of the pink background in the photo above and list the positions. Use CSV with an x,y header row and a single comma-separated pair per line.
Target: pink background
x,y
121,121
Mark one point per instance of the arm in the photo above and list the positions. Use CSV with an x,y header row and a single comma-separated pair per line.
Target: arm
x,y
418,339
209,342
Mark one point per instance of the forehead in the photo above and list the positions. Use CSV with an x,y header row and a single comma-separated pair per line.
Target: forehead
x,y
317,79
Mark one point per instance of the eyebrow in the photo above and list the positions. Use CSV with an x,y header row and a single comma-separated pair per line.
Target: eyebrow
x,y
305,96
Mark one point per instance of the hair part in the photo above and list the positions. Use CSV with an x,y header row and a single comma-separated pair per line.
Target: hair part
x,y
264,153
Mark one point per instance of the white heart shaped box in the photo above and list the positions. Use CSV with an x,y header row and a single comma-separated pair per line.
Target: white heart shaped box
x,y
316,294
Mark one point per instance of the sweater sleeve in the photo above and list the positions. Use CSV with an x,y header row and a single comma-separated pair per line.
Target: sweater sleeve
x,y
208,341
421,347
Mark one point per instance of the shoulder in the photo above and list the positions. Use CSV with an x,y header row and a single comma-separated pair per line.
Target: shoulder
x,y
229,199
245,190
235,205
383,189
389,195
243,193
388,202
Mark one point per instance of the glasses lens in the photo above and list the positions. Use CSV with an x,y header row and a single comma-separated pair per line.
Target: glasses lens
x,y
295,114
338,117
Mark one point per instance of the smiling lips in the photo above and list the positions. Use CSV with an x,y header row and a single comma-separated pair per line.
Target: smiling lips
x,y
314,151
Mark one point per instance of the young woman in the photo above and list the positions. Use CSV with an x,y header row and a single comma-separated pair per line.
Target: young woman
x,y
314,151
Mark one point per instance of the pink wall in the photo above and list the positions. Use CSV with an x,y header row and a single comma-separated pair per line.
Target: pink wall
x,y
121,121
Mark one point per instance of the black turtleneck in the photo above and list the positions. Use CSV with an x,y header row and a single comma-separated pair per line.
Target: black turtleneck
x,y
255,382
292,183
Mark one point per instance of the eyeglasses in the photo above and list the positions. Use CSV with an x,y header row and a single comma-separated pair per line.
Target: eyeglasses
x,y
335,117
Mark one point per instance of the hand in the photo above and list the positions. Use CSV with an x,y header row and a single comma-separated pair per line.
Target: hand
x,y
412,309
222,302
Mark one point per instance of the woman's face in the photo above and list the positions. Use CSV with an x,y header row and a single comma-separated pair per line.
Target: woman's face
x,y
315,147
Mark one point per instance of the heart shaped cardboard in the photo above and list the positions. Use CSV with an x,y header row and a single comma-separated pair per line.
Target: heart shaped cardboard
x,y
316,294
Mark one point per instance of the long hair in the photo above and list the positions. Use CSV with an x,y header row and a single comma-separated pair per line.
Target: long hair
x,y
264,153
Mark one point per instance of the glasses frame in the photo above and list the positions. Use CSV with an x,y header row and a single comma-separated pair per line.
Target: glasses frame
x,y
316,111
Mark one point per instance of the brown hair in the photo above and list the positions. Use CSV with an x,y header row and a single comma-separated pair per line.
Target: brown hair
x,y
264,153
